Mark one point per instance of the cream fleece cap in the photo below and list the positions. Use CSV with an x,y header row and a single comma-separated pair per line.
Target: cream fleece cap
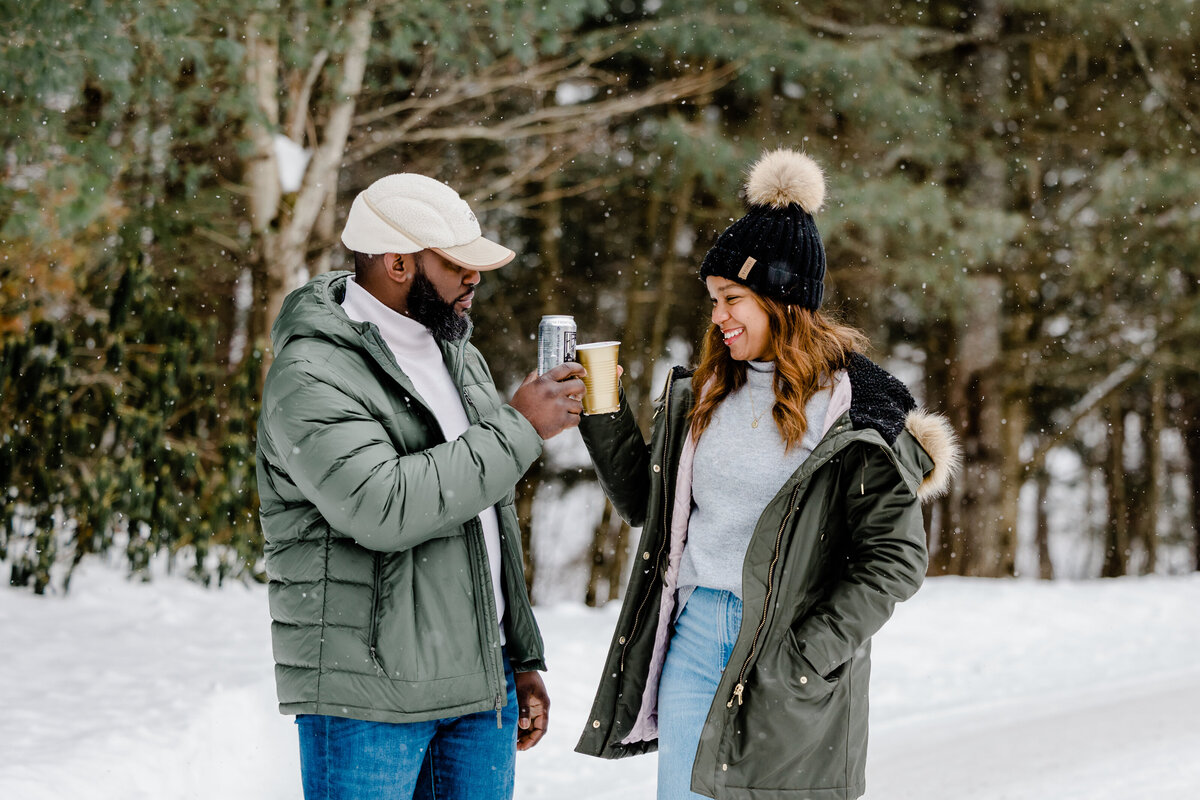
x,y
406,213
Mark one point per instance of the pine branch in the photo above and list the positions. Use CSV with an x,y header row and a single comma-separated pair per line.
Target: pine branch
x,y
935,40
550,121
1156,80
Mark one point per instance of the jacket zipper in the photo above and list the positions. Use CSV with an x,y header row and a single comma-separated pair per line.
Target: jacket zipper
x,y
740,688
666,537
461,368
474,543
499,694
374,616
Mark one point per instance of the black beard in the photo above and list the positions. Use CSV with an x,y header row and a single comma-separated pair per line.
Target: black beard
x,y
427,307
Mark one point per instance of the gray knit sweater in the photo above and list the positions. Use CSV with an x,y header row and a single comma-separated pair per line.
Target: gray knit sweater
x,y
738,469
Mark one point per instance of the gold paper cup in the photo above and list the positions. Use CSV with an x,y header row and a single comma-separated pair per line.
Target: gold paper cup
x,y
600,361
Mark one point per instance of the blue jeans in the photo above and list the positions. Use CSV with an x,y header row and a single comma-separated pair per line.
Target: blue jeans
x,y
460,758
702,640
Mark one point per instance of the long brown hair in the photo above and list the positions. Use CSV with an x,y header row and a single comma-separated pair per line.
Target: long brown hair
x,y
807,346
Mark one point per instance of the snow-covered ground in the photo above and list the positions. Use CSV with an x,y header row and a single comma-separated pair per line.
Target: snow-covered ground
x,y
982,690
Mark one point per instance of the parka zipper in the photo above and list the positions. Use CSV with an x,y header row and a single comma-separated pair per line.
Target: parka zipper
x,y
374,616
666,533
474,543
740,688
474,418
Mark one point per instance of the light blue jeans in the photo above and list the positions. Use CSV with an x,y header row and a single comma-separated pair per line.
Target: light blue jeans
x,y
701,642
460,758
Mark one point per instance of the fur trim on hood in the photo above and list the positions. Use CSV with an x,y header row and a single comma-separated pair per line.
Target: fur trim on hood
x,y
935,435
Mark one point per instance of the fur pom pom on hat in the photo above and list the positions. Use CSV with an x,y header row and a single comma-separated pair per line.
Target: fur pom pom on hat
x,y
783,177
775,249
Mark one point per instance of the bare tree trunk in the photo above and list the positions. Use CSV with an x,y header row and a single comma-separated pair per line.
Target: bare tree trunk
x,y
1190,428
616,565
941,541
324,232
978,387
549,240
607,557
985,546
262,172
262,166
1041,533
282,243
1116,544
1156,472
672,265
641,354
945,543
598,557
1193,451
1013,476
526,492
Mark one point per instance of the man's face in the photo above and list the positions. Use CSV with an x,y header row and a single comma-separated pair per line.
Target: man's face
x,y
441,295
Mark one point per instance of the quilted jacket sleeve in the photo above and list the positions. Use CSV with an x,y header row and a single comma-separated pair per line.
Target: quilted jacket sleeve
x,y
886,562
342,460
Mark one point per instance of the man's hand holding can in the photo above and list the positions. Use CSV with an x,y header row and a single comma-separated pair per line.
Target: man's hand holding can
x,y
551,402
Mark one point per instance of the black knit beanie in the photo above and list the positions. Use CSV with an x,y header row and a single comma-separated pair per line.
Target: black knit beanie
x,y
775,248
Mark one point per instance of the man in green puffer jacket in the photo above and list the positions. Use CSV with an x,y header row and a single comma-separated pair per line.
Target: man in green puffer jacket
x,y
403,636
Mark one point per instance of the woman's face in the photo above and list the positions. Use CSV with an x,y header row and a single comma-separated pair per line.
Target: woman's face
x,y
742,319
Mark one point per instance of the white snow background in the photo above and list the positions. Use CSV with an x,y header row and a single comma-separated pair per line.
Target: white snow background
x,y
982,689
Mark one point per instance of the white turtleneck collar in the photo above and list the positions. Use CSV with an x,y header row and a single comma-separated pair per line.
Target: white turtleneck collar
x,y
403,335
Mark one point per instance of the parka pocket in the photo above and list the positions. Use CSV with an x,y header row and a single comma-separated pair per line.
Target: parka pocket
x,y
424,626
792,733
803,677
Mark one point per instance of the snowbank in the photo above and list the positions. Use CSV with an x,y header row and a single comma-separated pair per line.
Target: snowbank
x,y
127,690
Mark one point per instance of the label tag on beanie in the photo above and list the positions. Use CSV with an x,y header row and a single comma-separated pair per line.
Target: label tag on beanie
x,y
746,267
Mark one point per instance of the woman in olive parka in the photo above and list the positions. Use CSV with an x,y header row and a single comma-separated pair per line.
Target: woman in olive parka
x,y
779,500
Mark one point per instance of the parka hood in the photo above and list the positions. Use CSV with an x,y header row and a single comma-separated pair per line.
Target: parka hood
x,y
882,402
879,399
315,311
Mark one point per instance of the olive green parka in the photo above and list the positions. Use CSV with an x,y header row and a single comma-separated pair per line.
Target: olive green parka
x,y
380,593
839,545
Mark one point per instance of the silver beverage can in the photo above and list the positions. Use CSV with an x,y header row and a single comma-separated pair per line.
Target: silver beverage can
x,y
556,341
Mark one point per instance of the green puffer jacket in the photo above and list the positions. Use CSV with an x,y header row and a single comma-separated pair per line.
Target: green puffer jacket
x,y
381,599
840,544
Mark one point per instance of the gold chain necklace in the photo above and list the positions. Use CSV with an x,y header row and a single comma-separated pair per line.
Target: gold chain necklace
x,y
756,416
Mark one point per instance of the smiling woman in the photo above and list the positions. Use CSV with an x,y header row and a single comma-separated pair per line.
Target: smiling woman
x,y
771,553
